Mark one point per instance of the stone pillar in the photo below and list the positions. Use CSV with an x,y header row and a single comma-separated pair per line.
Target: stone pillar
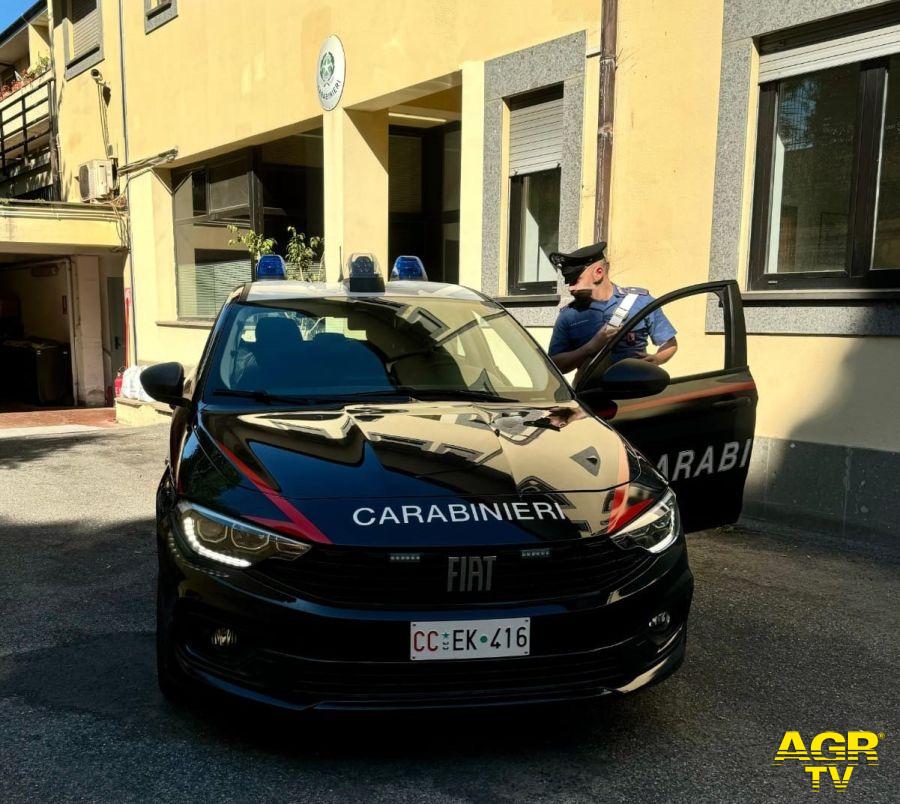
x,y
356,186
87,350
471,189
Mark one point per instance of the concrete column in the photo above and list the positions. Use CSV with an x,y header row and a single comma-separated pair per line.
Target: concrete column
x,y
356,186
471,189
87,350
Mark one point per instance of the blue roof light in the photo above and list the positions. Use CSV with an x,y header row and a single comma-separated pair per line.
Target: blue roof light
x,y
409,267
364,276
271,266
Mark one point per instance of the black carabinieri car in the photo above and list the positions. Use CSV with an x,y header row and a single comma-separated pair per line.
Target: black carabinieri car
x,y
391,498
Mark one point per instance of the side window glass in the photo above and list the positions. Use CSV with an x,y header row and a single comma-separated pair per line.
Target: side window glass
x,y
694,350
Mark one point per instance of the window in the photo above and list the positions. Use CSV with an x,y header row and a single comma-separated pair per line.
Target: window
x,y
535,155
83,34
826,208
207,268
158,12
266,189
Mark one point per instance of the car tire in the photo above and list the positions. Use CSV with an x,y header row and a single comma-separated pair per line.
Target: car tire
x,y
173,683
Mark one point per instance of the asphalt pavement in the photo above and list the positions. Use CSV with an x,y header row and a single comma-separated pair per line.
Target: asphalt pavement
x,y
789,631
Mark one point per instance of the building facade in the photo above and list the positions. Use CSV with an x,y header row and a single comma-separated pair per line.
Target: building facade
x,y
752,141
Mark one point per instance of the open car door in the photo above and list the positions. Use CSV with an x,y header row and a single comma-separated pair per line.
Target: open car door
x,y
698,430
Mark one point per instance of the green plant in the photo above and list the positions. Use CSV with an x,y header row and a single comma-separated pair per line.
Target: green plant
x,y
300,254
39,67
256,244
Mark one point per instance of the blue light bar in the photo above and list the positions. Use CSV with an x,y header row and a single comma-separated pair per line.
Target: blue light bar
x,y
364,276
409,267
271,266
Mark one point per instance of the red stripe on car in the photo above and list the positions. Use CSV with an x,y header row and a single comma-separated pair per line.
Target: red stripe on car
x,y
299,524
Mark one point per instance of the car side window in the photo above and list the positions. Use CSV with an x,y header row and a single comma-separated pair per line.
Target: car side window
x,y
675,336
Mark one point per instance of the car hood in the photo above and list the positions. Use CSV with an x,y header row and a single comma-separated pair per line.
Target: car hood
x,y
385,473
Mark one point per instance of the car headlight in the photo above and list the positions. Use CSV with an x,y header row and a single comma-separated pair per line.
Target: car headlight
x,y
655,529
230,541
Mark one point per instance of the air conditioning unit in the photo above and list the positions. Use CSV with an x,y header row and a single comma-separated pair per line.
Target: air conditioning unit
x,y
97,179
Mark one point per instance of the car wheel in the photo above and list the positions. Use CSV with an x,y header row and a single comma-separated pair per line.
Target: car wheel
x,y
172,681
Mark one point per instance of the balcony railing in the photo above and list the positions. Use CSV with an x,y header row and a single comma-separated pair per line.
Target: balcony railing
x,y
26,127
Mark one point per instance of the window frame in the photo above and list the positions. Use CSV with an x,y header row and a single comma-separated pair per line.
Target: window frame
x,y
158,15
77,63
217,217
859,273
516,199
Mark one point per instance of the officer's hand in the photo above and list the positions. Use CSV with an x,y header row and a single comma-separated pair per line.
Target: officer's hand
x,y
603,336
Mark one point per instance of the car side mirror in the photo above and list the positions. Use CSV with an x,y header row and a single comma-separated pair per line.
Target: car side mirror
x,y
165,383
626,379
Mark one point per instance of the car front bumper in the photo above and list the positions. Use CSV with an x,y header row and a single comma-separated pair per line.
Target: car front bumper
x,y
296,654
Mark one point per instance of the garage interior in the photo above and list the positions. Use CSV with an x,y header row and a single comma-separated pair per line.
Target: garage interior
x,y
62,330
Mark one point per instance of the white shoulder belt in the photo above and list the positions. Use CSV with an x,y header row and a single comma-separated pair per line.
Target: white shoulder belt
x,y
621,312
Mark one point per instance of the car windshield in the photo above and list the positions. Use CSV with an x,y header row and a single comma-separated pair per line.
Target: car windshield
x,y
397,346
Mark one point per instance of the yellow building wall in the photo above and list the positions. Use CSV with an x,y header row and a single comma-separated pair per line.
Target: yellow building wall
x,y
821,389
159,336
38,43
89,118
243,71
239,77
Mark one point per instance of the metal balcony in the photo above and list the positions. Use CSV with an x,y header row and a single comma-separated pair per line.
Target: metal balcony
x,y
27,130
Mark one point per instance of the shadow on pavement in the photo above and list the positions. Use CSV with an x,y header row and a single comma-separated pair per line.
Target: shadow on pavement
x,y
14,452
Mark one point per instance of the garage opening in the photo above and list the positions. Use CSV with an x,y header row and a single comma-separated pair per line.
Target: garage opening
x,y
35,337
62,330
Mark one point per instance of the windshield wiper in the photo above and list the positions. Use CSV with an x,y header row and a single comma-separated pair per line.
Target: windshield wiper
x,y
455,393
267,398
312,399
406,391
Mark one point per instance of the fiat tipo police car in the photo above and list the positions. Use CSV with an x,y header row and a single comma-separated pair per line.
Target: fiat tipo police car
x,y
385,496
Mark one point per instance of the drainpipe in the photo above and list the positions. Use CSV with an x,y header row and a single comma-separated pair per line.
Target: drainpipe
x,y
133,333
608,32
55,159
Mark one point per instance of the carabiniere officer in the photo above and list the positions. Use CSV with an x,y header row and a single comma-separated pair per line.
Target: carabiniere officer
x,y
598,311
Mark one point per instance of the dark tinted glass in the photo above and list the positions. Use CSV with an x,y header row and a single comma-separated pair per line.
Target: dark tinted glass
x,y
887,226
813,171
340,346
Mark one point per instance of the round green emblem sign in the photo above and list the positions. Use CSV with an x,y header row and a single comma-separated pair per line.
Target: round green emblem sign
x,y
330,74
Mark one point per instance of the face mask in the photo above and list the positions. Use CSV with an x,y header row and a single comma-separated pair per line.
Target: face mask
x,y
582,299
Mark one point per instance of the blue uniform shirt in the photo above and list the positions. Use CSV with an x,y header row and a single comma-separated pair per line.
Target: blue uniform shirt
x,y
574,328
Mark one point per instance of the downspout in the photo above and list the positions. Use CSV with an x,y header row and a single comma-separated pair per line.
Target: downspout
x,y
55,158
608,35
133,332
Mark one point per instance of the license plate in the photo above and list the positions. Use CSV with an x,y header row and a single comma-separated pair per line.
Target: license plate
x,y
470,639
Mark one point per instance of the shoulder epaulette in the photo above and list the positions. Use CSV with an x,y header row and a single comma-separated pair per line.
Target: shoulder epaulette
x,y
639,291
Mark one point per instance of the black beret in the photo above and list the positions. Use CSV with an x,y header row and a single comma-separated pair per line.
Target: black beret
x,y
572,264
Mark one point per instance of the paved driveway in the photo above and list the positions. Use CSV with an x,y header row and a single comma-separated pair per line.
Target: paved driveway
x,y
787,632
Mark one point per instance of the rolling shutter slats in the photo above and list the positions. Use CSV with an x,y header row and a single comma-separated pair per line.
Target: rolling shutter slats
x,y
831,53
85,26
535,137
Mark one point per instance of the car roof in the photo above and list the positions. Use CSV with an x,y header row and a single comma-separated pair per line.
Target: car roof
x,y
287,289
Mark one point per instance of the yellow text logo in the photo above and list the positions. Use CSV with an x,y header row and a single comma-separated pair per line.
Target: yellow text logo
x,y
830,756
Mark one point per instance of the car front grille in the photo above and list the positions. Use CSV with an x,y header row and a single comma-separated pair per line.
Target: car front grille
x,y
351,576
